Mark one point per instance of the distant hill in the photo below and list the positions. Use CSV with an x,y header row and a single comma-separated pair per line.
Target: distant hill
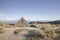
x,y
30,22
55,22
45,22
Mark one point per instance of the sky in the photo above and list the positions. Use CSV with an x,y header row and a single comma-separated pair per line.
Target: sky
x,y
30,9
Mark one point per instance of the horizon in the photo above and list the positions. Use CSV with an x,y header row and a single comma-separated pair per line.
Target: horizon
x,y
34,10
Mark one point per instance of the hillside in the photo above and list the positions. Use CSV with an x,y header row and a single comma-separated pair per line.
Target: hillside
x,y
23,30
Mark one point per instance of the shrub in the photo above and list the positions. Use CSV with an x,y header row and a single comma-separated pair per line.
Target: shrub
x,y
35,35
33,26
17,31
1,30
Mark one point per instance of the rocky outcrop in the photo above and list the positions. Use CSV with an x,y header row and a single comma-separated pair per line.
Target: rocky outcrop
x,y
22,23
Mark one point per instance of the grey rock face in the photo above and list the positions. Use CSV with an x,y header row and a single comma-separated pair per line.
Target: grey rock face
x,y
22,23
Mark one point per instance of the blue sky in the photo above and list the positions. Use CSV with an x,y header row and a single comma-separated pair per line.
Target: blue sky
x,y
30,9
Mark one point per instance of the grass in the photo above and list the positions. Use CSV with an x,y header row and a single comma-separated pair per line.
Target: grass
x,y
18,31
46,34
1,30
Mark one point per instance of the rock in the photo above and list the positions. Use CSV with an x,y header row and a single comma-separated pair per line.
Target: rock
x,y
22,23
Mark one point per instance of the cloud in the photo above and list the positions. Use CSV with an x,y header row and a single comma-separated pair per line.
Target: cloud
x,y
2,15
10,19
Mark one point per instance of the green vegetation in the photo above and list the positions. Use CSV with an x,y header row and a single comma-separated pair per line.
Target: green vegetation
x,y
1,30
17,31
